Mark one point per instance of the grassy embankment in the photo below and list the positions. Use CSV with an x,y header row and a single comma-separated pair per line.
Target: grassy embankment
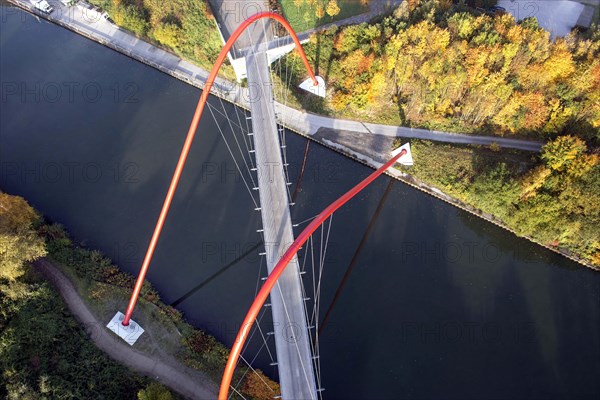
x,y
535,196
304,16
44,352
105,289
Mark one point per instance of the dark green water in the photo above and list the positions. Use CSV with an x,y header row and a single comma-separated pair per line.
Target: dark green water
x,y
439,304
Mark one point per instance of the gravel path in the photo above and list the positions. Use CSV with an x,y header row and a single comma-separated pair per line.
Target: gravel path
x,y
177,377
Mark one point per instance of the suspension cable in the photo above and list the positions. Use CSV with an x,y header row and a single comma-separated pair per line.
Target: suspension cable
x,y
233,157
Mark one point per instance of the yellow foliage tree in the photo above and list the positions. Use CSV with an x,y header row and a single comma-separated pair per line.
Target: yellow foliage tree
x,y
561,153
533,181
167,34
320,11
155,391
19,242
260,387
332,8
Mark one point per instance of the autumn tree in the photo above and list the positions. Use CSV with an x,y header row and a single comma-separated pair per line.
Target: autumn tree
x,y
320,11
258,386
447,68
332,8
167,34
19,242
533,181
568,154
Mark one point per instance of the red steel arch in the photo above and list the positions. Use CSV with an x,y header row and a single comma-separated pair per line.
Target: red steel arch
x,y
190,138
262,295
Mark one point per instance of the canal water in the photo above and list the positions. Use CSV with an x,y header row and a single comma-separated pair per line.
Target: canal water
x,y
437,304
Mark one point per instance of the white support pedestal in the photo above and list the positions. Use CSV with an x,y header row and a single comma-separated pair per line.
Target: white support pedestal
x,y
130,333
309,86
406,159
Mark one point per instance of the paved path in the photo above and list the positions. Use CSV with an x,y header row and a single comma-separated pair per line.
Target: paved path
x,y
177,377
311,124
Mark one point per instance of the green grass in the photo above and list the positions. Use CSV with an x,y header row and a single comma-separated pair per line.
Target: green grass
x,y
104,298
454,168
304,17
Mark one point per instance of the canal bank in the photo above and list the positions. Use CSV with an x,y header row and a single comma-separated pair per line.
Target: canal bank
x,y
314,127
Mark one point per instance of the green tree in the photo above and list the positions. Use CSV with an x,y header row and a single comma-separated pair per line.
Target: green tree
x,y
167,34
46,354
19,242
154,391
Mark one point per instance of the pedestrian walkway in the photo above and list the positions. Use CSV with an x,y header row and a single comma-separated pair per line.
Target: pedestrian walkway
x,y
294,356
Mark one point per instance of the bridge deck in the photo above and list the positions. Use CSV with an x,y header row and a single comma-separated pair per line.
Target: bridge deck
x,y
294,357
